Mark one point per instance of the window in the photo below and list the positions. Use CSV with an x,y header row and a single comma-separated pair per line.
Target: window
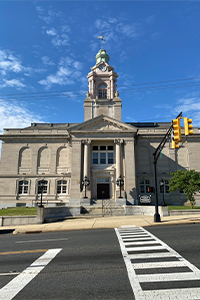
x,y
110,158
95,158
102,91
62,187
44,184
164,187
102,158
103,155
23,187
144,186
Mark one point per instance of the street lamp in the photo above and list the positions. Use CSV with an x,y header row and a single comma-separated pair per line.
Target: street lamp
x,y
41,185
120,183
162,190
86,183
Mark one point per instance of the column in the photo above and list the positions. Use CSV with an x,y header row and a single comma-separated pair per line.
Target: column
x,y
86,160
130,176
111,88
86,171
118,158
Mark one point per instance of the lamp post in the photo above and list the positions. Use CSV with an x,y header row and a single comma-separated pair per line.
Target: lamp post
x,y
42,185
162,185
120,183
86,183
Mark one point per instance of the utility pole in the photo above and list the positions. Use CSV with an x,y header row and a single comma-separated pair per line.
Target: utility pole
x,y
156,155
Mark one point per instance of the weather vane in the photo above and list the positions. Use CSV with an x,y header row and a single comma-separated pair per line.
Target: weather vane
x,y
102,38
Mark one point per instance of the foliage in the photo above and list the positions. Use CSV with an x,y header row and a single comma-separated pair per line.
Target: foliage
x,y
18,211
186,181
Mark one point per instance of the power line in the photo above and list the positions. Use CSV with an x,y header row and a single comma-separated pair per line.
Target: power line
x,y
77,93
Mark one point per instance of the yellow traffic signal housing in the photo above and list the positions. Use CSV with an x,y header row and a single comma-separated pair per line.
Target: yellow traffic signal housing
x,y
176,130
188,126
175,145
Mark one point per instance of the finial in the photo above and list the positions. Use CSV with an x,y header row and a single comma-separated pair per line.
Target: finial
x,y
116,94
102,38
88,94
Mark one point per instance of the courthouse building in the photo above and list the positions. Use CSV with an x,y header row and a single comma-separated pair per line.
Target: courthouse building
x,y
101,148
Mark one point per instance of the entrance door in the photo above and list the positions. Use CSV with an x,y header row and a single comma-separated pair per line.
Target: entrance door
x,y
103,190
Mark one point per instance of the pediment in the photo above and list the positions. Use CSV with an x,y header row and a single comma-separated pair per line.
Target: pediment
x,y
103,124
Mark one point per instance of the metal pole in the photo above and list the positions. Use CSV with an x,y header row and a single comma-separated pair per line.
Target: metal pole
x,y
156,215
85,190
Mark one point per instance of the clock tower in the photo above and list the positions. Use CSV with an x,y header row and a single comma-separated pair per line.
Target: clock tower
x,y
102,97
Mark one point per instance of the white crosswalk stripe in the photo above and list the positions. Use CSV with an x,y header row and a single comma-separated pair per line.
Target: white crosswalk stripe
x,y
155,270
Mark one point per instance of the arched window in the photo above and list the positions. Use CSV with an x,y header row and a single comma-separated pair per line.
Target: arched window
x,y
62,160
24,160
102,91
44,160
44,157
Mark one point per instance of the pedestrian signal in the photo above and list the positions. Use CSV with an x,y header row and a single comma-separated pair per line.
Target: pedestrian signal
x,y
150,189
188,126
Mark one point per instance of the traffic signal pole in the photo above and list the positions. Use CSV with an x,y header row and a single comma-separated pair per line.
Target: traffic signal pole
x,y
156,155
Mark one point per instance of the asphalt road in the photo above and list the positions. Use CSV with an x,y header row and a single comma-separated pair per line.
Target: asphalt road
x,y
89,266
185,239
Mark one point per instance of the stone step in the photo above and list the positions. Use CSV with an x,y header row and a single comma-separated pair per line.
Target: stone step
x,y
106,211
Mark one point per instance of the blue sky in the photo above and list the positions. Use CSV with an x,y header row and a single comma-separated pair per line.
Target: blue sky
x,y
48,47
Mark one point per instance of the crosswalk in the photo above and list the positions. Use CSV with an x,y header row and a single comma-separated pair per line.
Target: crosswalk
x,y
155,270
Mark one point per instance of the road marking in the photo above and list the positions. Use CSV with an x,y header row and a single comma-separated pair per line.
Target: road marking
x,y
10,290
166,264
36,241
144,281
8,274
178,294
23,251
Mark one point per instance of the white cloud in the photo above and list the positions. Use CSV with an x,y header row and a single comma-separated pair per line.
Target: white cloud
x,y
12,83
68,71
62,40
51,31
129,30
16,116
11,63
46,61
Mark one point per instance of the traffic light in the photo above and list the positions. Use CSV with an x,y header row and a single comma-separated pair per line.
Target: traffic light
x,y
175,145
176,133
188,126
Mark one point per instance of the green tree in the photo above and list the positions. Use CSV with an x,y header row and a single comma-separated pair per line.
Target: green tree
x,y
186,181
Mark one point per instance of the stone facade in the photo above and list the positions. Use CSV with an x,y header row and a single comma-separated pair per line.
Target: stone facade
x,y
101,148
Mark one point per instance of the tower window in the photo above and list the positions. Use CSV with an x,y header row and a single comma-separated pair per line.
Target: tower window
x,y
102,91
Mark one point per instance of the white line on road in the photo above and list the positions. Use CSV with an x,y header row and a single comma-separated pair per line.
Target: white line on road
x,y
9,274
136,280
10,290
153,265
178,294
36,241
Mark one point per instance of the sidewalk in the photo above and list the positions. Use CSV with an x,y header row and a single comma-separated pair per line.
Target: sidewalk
x,y
81,223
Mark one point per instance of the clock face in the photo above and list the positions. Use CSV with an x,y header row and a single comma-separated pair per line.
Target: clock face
x,y
102,68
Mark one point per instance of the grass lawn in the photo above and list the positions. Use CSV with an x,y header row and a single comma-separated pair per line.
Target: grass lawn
x,y
18,211
182,207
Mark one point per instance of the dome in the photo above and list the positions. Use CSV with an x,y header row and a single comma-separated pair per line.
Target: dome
x,y
102,56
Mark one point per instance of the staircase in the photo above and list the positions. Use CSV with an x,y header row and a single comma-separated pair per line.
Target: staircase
x,y
105,207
